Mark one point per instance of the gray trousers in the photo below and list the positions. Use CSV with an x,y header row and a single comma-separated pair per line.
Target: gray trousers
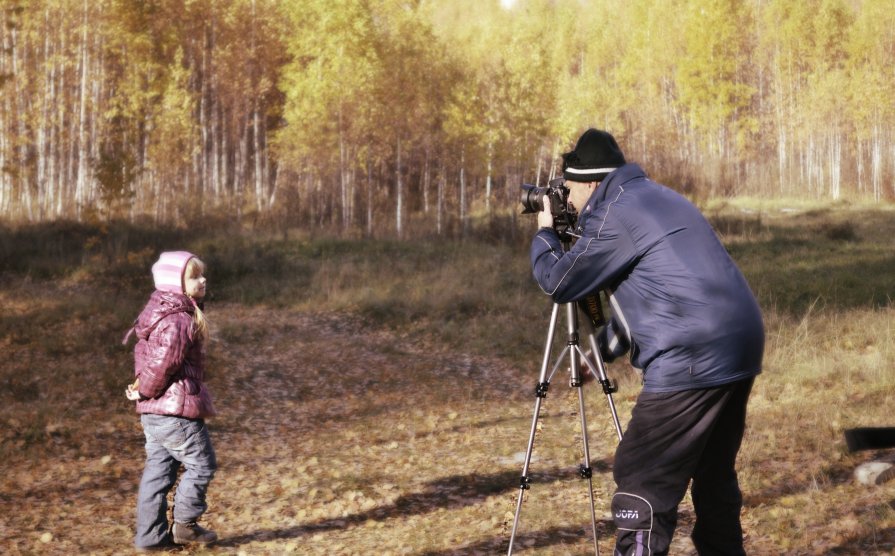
x,y
671,440
170,443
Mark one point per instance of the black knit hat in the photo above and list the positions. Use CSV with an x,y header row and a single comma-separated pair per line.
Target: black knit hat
x,y
596,155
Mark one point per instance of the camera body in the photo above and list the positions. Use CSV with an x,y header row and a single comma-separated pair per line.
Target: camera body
x,y
533,201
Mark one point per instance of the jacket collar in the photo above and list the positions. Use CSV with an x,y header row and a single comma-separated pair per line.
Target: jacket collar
x,y
161,304
608,188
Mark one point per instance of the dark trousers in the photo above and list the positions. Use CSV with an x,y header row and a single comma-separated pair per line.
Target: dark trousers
x,y
674,438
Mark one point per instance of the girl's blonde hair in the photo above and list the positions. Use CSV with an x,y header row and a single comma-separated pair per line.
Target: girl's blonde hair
x,y
195,268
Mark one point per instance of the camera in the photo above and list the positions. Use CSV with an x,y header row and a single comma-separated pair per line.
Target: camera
x,y
533,201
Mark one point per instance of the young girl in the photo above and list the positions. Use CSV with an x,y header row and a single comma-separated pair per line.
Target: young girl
x,y
169,364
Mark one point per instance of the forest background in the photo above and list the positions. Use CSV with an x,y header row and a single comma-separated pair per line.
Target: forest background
x,y
396,117
376,392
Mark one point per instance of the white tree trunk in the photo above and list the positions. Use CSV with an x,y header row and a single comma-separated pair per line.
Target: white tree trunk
x,y
59,123
260,197
223,159
369,200
20,104
426,180
214,155
835,151
488,178
343,176
5,181
204,152
81,187
43,124
463,189
241,170
439,219
876,163
399,205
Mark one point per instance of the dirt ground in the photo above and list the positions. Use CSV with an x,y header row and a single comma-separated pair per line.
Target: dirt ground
x,y
336,437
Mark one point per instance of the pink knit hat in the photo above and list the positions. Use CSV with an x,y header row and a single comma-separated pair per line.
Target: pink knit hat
x,y
168,270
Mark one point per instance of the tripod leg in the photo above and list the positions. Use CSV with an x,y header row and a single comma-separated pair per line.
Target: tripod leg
x,y
540,393
585,468
600,371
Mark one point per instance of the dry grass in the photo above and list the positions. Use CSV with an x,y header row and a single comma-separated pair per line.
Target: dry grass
x,y
376,397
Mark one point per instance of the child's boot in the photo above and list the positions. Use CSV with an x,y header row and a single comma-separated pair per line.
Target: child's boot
x,y
187,533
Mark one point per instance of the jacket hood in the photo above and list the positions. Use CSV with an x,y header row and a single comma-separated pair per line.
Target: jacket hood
x,y
160,305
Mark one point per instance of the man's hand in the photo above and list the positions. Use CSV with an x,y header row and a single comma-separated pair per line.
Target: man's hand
x,y
545,217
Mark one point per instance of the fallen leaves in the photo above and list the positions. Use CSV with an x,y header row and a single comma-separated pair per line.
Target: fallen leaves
x,y
344,439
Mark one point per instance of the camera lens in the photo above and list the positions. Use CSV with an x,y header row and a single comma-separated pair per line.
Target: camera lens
x,y
532,198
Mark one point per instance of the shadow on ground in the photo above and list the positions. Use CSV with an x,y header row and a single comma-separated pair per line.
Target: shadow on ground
x,y
446,493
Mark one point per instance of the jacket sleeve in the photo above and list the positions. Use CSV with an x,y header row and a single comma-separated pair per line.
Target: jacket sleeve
x,y
602,254
166,352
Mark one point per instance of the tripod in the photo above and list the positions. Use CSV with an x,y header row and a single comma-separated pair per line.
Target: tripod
x,y
591,306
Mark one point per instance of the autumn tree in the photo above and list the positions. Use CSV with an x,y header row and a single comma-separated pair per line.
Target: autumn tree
x,y
397,117
327,85
869,82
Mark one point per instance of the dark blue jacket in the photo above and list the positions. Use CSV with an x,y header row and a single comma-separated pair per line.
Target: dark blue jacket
x,y
687,309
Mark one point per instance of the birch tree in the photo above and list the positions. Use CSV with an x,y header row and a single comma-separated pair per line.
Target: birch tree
x,y
713,85
365,117
870,83
327,85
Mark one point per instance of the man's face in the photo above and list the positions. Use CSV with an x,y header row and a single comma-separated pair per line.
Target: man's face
x,y
579,193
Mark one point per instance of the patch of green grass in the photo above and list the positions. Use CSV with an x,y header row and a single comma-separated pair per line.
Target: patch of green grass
x,y
477,293
837,256
834,258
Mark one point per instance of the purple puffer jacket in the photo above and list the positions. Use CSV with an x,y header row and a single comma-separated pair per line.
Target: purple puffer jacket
x,y
169,359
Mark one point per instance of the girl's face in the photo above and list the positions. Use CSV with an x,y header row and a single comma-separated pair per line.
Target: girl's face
x,y
194,281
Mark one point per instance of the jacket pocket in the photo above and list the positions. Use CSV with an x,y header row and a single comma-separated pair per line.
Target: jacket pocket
x,y
173,399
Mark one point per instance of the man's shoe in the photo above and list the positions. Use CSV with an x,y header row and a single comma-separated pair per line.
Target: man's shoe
x,y
186,533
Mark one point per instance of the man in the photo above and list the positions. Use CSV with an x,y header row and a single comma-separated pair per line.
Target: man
x,y
694,329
